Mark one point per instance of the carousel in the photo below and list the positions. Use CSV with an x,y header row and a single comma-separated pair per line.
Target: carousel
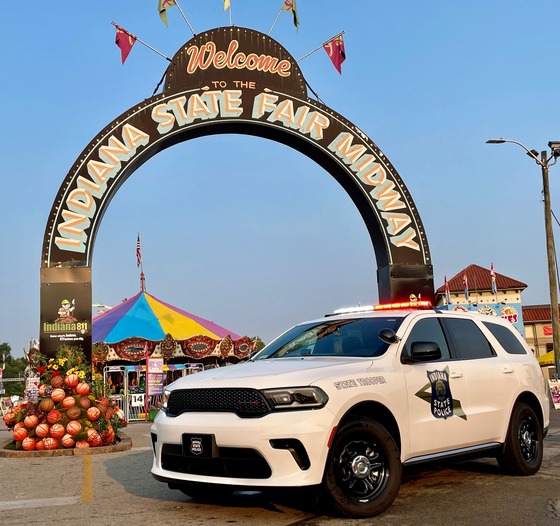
x,y
143,344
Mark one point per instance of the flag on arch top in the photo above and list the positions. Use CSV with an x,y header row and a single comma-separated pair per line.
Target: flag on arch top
x,y
227,5
163,5
138,252
290,7
336,52
124,41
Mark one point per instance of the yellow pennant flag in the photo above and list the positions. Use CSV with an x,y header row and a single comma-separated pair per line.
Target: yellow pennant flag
x,y
162,8
226,5
290,7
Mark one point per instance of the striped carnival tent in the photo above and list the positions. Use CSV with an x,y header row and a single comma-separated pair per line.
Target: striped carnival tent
x,y
144,326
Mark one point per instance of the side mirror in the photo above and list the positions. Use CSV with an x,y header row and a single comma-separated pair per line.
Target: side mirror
x,y
423,352
388,336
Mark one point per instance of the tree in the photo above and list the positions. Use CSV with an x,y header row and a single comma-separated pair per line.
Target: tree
x,y
258,344
12,368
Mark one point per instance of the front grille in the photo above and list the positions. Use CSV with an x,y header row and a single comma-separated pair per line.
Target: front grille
x,y
245,403
233,462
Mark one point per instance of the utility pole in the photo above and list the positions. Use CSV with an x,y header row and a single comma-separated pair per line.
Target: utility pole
x,y
544,162
552,281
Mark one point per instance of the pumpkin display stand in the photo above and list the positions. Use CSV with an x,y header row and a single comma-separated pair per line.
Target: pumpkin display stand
x,y
70,415
124,444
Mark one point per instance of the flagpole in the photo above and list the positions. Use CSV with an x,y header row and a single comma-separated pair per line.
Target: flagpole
x,y
275,20
320,47
185,18
141,41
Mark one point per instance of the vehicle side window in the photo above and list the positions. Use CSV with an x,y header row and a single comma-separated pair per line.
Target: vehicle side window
x,y
468,340
427,330
506,338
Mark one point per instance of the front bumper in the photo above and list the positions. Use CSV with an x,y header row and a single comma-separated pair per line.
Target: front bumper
x,y
281,449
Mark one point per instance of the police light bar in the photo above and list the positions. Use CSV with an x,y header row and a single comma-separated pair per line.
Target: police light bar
x,y
404,305
411,305
348,310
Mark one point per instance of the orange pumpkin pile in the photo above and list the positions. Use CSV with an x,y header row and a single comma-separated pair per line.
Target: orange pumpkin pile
x,y
66,415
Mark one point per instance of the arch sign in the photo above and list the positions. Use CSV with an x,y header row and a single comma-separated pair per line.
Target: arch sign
x,y
226,80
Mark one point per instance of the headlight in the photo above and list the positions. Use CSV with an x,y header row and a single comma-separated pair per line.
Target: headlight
x,y
164,399
296,398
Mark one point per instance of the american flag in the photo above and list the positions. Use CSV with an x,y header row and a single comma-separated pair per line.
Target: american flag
x,y
138,252
447,293
466,284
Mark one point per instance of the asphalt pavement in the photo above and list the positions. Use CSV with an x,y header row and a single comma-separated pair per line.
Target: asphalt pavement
x,y
107,489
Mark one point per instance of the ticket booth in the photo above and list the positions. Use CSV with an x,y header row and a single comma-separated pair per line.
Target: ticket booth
x,y
128,387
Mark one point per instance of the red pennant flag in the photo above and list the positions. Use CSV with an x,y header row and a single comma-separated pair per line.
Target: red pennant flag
x,y
335,50
125,41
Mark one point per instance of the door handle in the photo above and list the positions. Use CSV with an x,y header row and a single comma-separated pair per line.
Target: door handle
x,y
455,374
507,369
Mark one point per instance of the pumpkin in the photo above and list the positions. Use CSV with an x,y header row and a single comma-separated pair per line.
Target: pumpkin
x,y
28,444
108,435
73,427
50,443
46,404
43,389
40,445
69,401
67,440
74,413
54,416
57,381
93,438
19,425
71,380
20,434
82,388
85,402
93,414
31,421
58,394
42,430
81,443
57,431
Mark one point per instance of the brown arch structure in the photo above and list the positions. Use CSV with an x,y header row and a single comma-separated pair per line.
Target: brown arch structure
x,y
226,80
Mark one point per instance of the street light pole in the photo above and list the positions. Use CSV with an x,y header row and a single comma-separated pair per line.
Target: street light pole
x,y
544,162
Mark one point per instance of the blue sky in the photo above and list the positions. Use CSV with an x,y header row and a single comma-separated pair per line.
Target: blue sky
x,y
247,232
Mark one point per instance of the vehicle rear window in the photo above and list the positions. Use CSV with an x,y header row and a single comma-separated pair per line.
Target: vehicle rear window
x,y
506,338
468,340
347,337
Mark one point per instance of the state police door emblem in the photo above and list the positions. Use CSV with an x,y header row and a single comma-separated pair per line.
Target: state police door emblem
x,y
442,400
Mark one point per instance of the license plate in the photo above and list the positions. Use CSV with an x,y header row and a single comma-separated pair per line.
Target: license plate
x,y
201,446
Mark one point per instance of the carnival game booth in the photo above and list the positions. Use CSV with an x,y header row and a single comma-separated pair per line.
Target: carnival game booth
x,y
144,344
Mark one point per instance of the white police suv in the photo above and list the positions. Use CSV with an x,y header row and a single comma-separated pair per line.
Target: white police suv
x,y
342,403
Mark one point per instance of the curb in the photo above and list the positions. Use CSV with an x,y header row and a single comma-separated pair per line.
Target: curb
x,y
124,445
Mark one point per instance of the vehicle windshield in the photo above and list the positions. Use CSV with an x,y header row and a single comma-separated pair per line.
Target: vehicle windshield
x,y
348,337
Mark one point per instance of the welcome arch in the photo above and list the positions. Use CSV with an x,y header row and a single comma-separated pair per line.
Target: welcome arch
x,y
227,80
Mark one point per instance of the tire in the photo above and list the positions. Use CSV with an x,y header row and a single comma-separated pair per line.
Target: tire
x,y
206,492
523,451
363,471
